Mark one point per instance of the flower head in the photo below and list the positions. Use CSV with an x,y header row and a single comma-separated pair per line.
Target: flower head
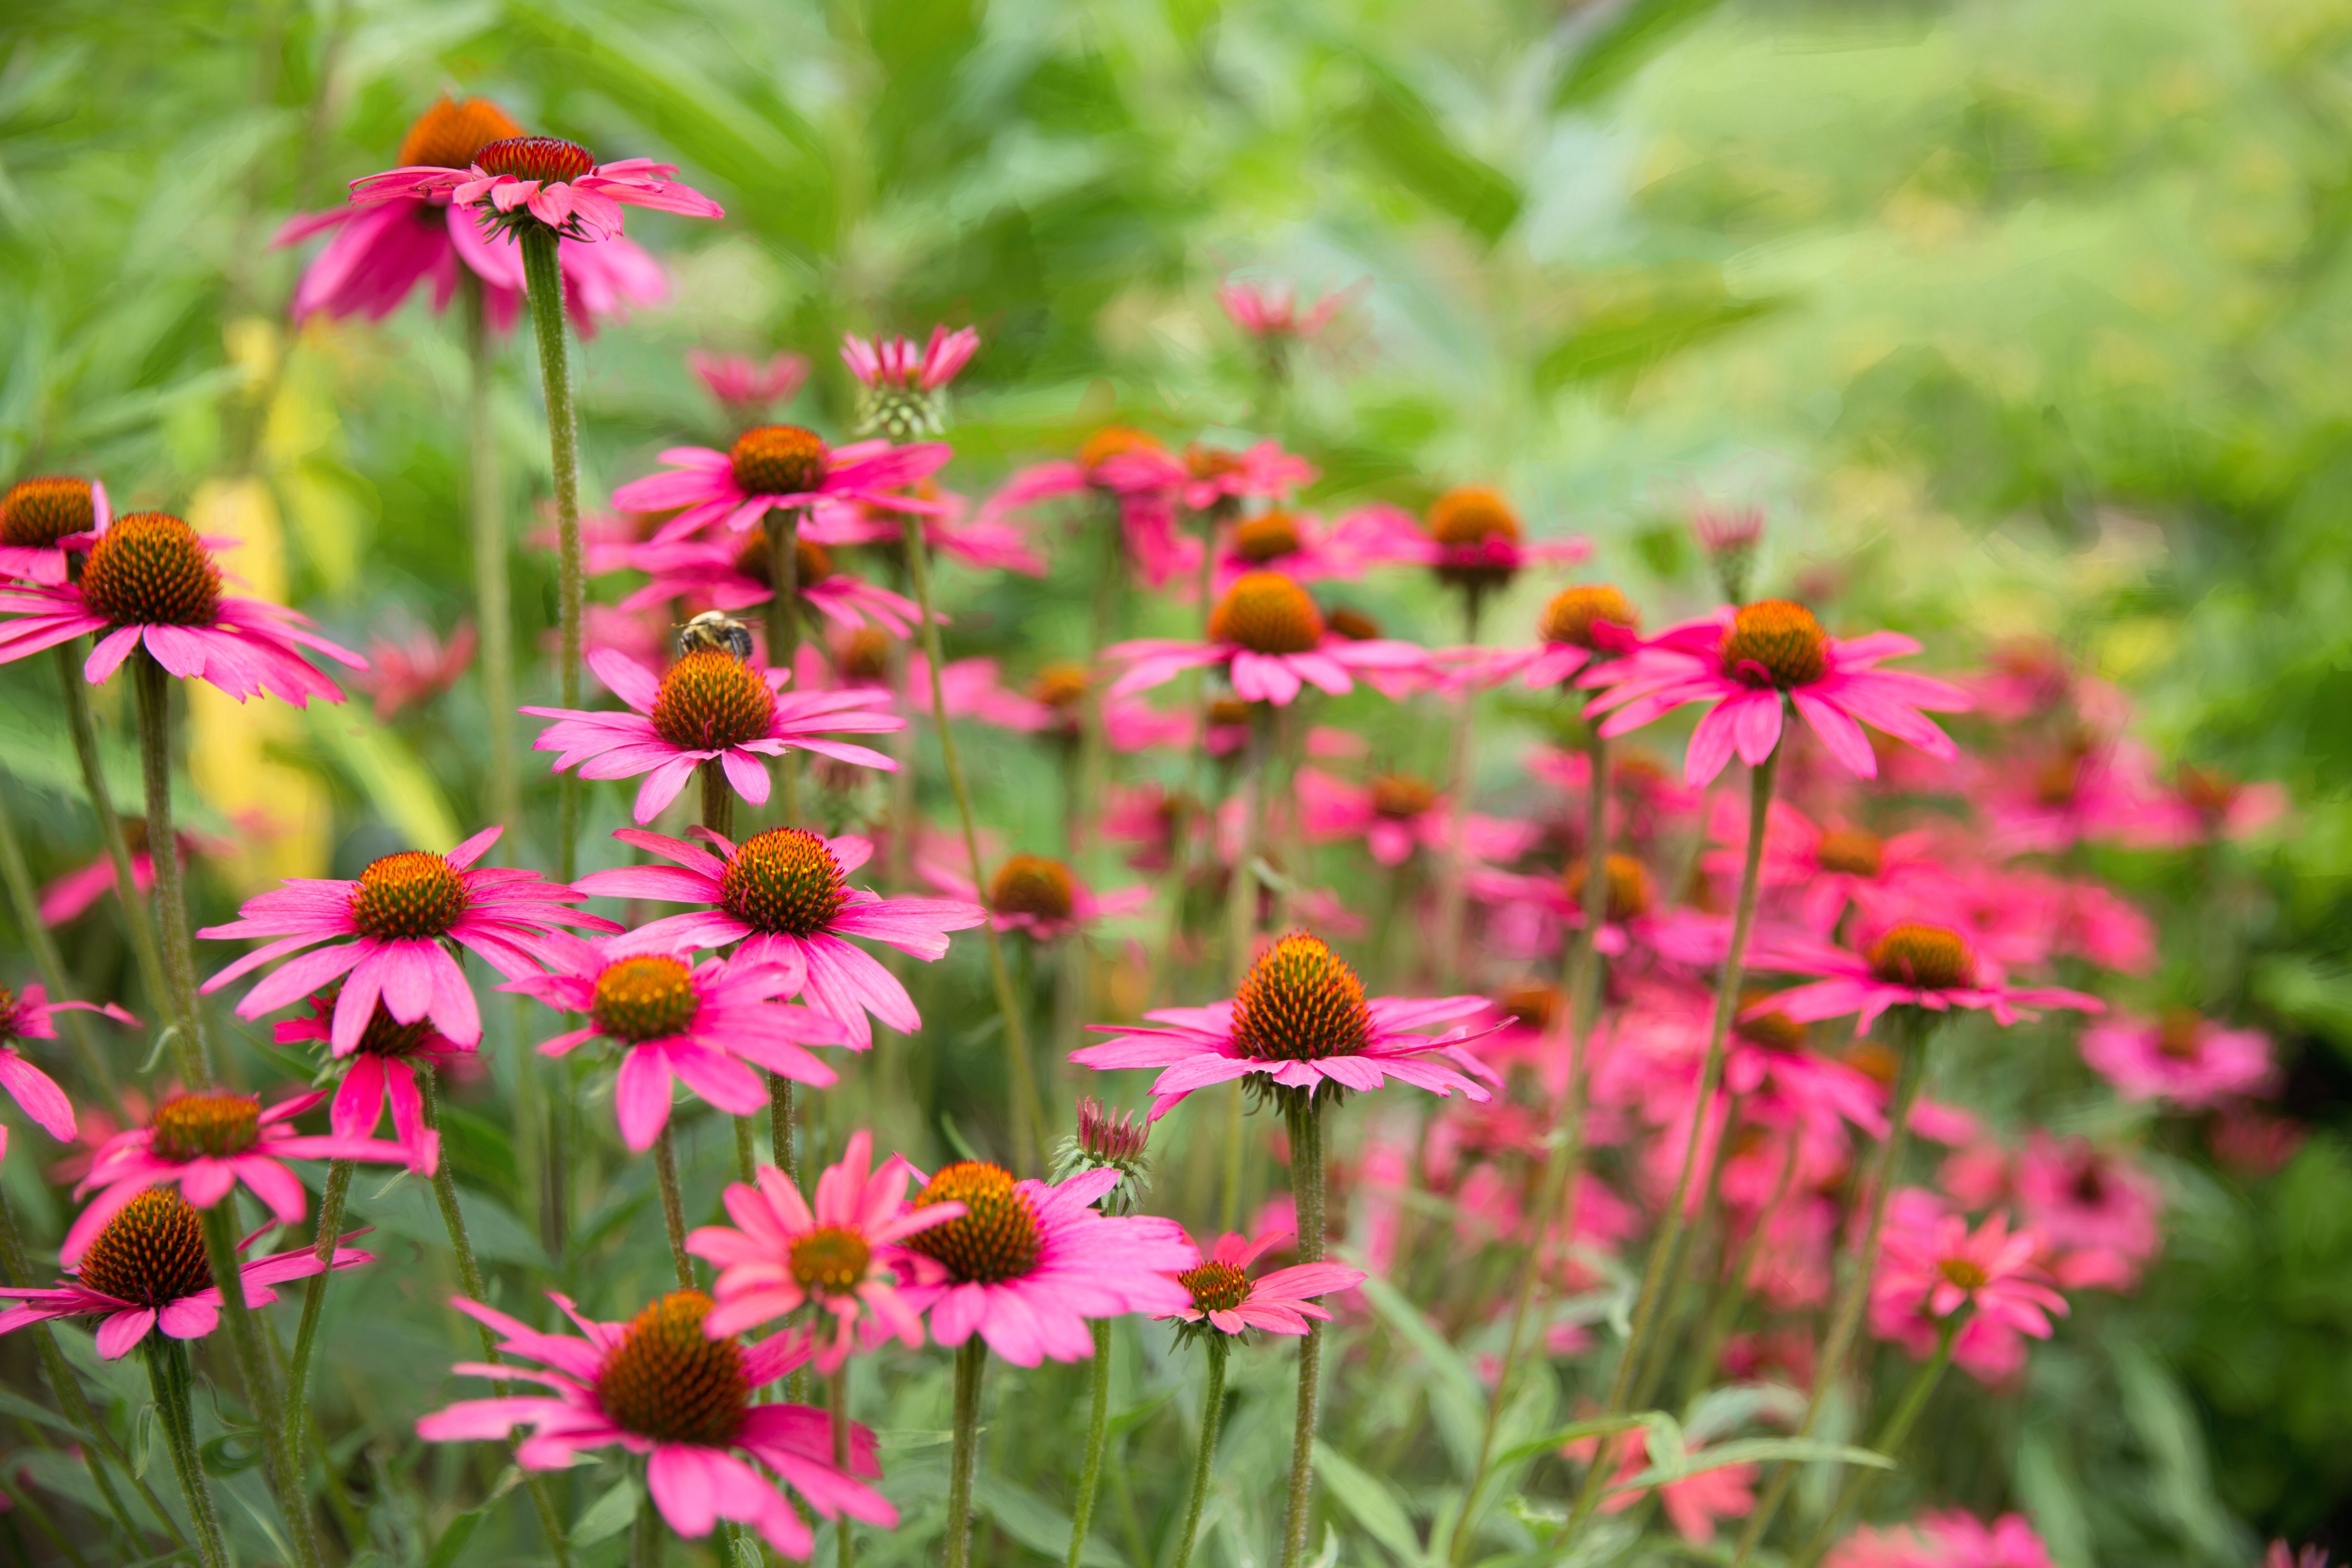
x,y
730,573
1272,311
1133,470
1472,539
1728,537
380,1068
29,1015
1229,1301
417,666
661,1387
745,387
2180,1056
1910,965
1271,640
773,467
902,383
1107,1140
517,181
1935,1267
1036,895
43,518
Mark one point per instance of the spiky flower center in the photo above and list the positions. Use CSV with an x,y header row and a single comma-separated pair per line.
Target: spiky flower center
x,y
868,656
784,881
1353,625
1775,642
1265,611
2181,1035
36,513
1967,1273
830,1261
649,997
453,132
1300,1002
1060,686
1927,957
1631,894
996,1238
211,1122
669,1381
548,159
1574,612
777,460
1033,885
1215,1286
149,569
151,1254
1531,1006
1269,536
1471,515
10,1021
1399,796
415,893
710,701
1114,441
1851,851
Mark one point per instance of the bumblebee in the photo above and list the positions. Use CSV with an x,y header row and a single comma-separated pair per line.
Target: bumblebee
x,y
715,632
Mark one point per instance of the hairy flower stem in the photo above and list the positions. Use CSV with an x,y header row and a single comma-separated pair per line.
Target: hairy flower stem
x,y
783,629
1306,1189
1729,1291
25,899
314,1295
837,1390
152,684
673,1207
1212,1413
136,917
1453,888
1682,1273
970,1357
543,283
167,1376
281,1466
1888,1442
1646,1305
1082,1513
646,1536
1241,924
1025,1116
493,605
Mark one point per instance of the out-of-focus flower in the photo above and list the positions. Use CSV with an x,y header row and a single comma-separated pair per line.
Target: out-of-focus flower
x,y
1580,625
1225,1298
738,574
778,467
1272,311
1692,1505
1395,813
1728,537
1953,1540
2180,1056
1270,640
1296,544
747,388
1035,895
2094,1208
1910,966
2224,808
2085,788
518,179
1827,870
1137,475
1472,539
1932,1265
984,541
1222,479
29,1015
41,518
414,668
2252,1142
902,384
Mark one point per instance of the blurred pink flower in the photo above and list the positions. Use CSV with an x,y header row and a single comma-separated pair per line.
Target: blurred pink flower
x,y
1272,311
1472,539
897,363
1931,1265
2181,1057
43,518
733,573
1909,966
1134,472
544,179
2094,1208
747,388
1270,640
414,668
1952,1540
1692,1506
1220,479
1034,895
773,467
1394,815
1823,870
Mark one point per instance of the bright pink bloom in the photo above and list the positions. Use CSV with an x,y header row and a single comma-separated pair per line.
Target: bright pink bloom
x,y
1395,815
1272,311
1220,478
844,1254
29,1015
1137,475
1300,1022
785,895
1039,896
1533,910
1026,1264
417,666
897,363
747,387
555,181
733,574
2218,806
1473,538
1910,966
2188,1060
2085,789
398,914
41,518
1932,1267
1744,662
1953,1540
1692,1505
1296,544
676,1019
205,1143
2096,1209
709,707
164,1283
381,1069
1281,1302
2282,1555
150,581
779,466
1270,640
1825,869
645,1386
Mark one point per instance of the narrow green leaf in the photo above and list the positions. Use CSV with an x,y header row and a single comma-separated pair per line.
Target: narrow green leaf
x,y
16,1405
1405,139
1036,1523
1614,52
461,1529
1372,1504
1750,1451
1597,1426
607,1516
1456,1397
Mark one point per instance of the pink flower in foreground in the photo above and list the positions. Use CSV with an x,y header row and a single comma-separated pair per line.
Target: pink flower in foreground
x,y
1035,895
2182,1057
1272,311
149,581
1025,1264
710,707
417,666
41,518
778,467
29,1015
1300,1023
1745,662
520,179
747,387
1910,966
397,916
1280,1302
674,1019
659,1387
785,895
845,1253
147,1269
1270,640
205,1143
381,1068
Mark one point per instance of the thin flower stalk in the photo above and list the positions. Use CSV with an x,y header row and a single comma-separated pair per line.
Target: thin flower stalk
x,y
1682,1277
1241,924
1306,1187
258,1371
314,1294
783,629
673,1207
1082,1513
167,1377
718,815
189,1054
1453,901
971,1357
1212,1411
837,1405
1889,1441
543,284
135,918
1725,1311
24,897
493,604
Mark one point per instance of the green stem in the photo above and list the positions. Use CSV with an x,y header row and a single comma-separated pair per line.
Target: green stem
x,y
1681,1278
153,685
167,1376
970,1357
837,1400
135,919
1729,1291
281,1468
1889,1440
784,634
543,283
1026,1117
1845,1320
1213,1413
25,898
647,1537
1241,888
1453,899
1092,761
718,815
1306,1115
314,1291
493,604
780,1127
1670,1224
673,1207
1082,1515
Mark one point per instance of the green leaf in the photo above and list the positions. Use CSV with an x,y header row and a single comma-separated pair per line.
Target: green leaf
x,y
408,1210
1455,1397
1640,319
607,1516
1597,1426
1372,1502
461,1529
18,1405
1404,137
386,771
2315,994
1621,46
1036,1523
1750,1451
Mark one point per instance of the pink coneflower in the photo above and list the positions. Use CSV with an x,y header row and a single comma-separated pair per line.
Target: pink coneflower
x,y
1299,1022
785,895
2096,1210
1270,640
398,914
1025,1264
1272,311
2218,806
1910,966
1472,539
1035,895
1396,814
1935,1269
41,518
146,1269
1535,910
1953,1540
149,581
676,1019
29,1015
1744,662
415,668
747,388
1280,1302
2180,1056
1692,1505
1829,869
205,1142
1220,479
709,707
1137,475
1299,544
381,1068
902,383
779,468
520,179
847,1253
985,542
1579,626
381,251
2083,788
659,1387
1728,537
728,574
